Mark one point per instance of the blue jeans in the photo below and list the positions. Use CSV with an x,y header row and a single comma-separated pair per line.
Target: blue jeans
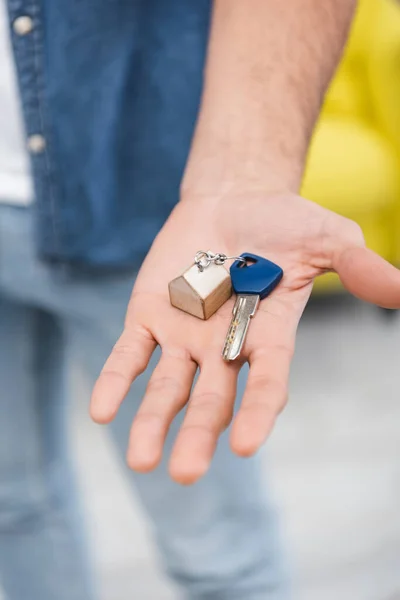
x,y
218,538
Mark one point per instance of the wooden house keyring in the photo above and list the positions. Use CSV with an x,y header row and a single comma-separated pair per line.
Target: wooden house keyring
x,y
204,287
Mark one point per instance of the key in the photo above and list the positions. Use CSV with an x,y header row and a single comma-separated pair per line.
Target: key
x,y
252,282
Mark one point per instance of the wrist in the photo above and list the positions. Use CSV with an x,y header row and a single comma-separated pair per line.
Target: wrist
x,y
239,158
217,167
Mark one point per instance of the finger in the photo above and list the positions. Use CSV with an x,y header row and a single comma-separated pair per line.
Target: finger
x,y
128,359
369,277
167,393
209,413
265,396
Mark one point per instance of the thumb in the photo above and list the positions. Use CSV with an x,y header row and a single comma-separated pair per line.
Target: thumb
x,y
368,276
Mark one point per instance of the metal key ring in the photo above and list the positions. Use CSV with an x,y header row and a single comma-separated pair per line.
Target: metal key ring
x,y
203,259
223,258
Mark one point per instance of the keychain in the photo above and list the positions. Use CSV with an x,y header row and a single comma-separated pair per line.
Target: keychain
x,y
203,288
207,285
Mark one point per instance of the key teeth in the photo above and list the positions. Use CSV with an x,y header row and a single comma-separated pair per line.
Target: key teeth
x,y
226,355
226,352
240,321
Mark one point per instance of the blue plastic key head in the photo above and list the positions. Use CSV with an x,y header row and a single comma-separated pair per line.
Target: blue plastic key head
x,y
258,276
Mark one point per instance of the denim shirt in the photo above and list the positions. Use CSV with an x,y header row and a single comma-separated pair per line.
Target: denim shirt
x,y
113,86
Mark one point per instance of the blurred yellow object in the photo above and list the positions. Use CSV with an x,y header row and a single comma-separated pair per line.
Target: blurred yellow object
x,y
353,166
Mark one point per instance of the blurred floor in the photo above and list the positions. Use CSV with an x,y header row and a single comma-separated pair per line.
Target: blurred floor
x,y
335,462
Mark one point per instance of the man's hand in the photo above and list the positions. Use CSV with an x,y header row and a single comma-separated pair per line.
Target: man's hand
x,y
268,66
300,236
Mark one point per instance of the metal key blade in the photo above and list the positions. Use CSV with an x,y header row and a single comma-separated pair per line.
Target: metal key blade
x,y
244,309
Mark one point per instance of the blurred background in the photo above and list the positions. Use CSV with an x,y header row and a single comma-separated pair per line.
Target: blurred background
x,y
334,456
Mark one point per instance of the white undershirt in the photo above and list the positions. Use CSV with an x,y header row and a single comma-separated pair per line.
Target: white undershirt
x,y
15,177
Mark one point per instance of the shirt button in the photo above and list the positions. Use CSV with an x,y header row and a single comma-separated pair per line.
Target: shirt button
x,y
36,143
23,25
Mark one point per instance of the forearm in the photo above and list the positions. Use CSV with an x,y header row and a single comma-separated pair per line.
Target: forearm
x,y
269,63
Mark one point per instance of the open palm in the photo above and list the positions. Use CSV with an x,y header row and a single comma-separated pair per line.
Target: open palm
x,y
306,241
